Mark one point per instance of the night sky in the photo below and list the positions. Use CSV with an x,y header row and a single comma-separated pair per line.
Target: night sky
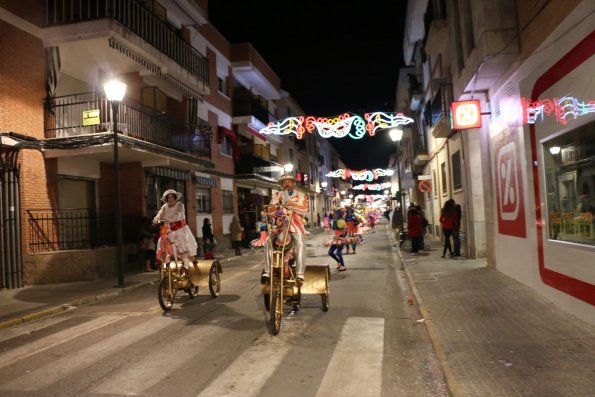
x,y
332,57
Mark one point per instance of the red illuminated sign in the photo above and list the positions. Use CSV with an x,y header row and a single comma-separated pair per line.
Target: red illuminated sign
x,y
465,115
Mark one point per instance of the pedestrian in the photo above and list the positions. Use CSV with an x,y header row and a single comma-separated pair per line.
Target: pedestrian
x,y
327,223
414,229
351,229
424,225
318,220
236,229
456,232
174,214
148,244
207,232
447,223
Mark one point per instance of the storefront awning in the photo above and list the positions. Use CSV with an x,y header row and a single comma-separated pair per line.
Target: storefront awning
x,y
222,131
169,173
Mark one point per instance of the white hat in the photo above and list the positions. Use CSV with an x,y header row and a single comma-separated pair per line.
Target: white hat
x,y
168,192
286,177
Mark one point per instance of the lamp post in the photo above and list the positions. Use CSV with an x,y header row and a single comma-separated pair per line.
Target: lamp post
x,y
114,91
288,168
396,134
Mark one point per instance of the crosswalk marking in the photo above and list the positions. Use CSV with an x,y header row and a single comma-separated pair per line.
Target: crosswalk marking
x,y
56,370
249,372
30,327
358,359
139,376
56,339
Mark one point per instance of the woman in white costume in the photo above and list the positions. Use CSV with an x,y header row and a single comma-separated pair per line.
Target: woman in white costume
x,y
173,213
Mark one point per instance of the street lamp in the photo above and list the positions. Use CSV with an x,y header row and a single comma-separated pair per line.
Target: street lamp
x,y
114,91
324,184
288,168
396,134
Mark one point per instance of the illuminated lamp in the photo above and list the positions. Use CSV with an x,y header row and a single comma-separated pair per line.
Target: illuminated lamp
x,y
465,115
555,150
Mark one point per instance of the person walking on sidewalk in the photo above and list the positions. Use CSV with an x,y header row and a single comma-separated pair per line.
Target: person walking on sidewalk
x,y
447,223
338,242
456,232
414,229
236,229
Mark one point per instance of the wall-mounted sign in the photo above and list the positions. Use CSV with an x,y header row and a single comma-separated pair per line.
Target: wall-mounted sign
x,y
424,186
91,117
465,115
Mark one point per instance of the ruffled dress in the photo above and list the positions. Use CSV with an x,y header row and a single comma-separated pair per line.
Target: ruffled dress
x,y
263,235
182,237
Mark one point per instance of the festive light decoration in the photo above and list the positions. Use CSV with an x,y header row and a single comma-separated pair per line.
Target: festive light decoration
x,y
370,197
563,109
363,175
373,186
346,124
380,120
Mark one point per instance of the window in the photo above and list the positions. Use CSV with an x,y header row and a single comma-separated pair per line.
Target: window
x,y
222,85
570,185
443,177
203,200
225,146
457,177
227,197
435,181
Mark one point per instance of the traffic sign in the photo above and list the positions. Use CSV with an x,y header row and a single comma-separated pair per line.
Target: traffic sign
x,y
423,177
425,186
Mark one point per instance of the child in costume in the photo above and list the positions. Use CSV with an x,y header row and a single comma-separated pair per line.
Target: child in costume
x,y
207,249
351,229
338,242
263,229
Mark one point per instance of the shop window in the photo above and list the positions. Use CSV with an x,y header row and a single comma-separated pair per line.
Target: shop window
x,y
203,200
225,146
457,176
227,197
569,163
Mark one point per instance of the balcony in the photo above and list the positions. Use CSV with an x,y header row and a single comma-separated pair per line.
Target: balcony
x,y
440,111
133,17
64,119
251,164
250,105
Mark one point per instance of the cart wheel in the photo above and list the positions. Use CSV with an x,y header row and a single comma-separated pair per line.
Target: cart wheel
x,y
267,301
276,314
324,299
214,281
192,291
166,299
297,300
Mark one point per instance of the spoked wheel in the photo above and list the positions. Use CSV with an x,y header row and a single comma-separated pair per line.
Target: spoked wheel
x,y
166,298
276,313
297,300
192,291
267,301
324,299
214,281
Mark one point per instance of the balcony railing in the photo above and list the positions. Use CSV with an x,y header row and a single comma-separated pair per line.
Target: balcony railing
x,y
138,19
78,228
247,105
64,118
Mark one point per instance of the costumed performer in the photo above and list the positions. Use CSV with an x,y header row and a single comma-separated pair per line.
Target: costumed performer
x,y
174,214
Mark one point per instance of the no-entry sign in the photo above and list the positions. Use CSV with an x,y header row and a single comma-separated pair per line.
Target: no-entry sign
x,y
425,186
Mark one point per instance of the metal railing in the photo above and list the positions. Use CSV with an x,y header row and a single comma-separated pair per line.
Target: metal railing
x,y
138,19
77,228
64,118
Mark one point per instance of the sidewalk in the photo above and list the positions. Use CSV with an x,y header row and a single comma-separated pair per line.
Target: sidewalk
x,y
24,304
495,336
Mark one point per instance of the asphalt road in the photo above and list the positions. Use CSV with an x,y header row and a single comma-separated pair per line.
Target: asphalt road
x,y
370,342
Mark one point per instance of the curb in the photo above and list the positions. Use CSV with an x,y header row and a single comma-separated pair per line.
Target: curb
x,y
454,387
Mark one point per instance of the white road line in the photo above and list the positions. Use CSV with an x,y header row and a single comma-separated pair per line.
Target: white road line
x,y
250,372
56,339
58,369
30,327
137,376
356,366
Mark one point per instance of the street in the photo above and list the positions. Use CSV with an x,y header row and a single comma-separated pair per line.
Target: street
x,y
369,343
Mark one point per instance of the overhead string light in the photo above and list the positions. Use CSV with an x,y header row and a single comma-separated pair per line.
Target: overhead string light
x,y
373,186
344,125
363,175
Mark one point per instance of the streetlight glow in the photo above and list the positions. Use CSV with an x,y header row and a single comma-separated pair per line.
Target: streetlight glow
x,y
114,90
324,184
555,150
288,167
396,134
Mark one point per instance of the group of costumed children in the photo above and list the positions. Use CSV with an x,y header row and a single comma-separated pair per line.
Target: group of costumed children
x,y
348,228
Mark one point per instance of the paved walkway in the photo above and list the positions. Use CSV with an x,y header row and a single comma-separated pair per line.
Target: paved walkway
x,y
495,336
